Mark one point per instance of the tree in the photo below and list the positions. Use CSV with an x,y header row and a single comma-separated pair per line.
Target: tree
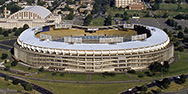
x,y
1,30
70,16
158,1
180,34
125,16
6,78
41,69
165,15
155,6
2,2
15,81
181,48
166,64
186,30
7,68
4,56
156,67
165,82
108,21
88,20
143,88
131,71
179,27
25,26
5,33
14,63
29,87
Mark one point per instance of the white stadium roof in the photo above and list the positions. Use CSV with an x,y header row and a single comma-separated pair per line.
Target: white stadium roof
x,y
43,12
158,37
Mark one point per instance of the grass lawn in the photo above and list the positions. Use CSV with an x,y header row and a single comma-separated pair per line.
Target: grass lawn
x,y
69,77
8,85
66,88
97,22
117,77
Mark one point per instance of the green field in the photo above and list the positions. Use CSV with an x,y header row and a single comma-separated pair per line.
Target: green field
x,y
97,22
65,88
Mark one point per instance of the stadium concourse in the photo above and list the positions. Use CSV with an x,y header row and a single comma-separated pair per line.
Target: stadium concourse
x,y
73,48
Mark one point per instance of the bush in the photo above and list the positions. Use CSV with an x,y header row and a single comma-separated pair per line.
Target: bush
x,y
15,81
14,63
53,73
62,74
131,71
7,68
41,69
108,74
29,68
29,87
140,75
4,56
6,78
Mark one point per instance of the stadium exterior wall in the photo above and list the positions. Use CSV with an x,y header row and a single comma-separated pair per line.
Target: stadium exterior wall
x,y
110,63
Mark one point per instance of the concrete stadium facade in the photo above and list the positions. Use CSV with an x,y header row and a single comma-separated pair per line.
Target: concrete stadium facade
x,y
93,57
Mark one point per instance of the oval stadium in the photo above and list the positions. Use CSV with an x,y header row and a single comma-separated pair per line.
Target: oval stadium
x,y
83,49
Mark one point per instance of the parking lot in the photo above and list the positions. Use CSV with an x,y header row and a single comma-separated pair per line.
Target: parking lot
x,y
160,23
7,44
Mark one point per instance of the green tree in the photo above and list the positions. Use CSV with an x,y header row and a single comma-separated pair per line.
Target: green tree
x,y
7,68
165,83
14,63
108,21
155,6
186,30
1,30
70,16
143,88
2,2
125,16
16,81
181,48
25,26
29,87
4,56
165,15
179,27
5,33
88,20
41,69
6,78
180,34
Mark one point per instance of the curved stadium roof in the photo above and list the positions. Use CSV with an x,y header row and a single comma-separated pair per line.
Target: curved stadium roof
x,y
158,37
43,12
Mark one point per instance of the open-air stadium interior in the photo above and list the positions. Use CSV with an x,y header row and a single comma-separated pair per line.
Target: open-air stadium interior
x,y
72,48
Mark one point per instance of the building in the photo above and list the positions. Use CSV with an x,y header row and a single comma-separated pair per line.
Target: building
x,y
125,3
115,48
137,6
32,16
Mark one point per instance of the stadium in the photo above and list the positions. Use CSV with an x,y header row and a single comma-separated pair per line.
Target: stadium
x,y
85,49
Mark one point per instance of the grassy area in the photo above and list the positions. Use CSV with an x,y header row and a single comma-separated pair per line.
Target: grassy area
x,y
97,22
117,77
7,85
69,77
65,88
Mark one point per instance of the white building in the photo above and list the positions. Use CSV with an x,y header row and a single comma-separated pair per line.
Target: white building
x,y
125,3
33,16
